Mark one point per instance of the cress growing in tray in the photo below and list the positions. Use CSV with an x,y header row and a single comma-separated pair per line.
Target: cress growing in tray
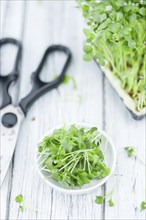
x,y
116,38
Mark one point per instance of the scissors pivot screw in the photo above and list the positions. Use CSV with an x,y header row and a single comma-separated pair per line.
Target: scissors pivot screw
x,y
9,120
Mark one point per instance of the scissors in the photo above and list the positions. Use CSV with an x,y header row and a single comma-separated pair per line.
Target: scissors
x,y
11,116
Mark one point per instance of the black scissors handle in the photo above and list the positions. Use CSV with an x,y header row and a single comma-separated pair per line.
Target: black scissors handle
x,y
12,76
40,87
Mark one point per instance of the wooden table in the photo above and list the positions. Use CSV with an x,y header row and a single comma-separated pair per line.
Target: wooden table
x,y
39,24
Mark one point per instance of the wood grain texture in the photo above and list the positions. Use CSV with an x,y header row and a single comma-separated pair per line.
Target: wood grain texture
x,y
39,24
12,18
125,131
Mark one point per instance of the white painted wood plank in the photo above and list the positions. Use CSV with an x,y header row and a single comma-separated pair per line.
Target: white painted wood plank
x,y
3,14
12,18
53,109
27,182
125,131
4,192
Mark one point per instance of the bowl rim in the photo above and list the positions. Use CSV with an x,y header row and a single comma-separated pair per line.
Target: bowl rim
x,y
90,188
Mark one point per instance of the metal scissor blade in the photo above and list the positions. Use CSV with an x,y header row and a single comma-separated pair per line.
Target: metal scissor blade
x,y
8,139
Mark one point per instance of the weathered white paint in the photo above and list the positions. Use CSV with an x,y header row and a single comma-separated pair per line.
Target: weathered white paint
x,y
51,22
125,131
12,26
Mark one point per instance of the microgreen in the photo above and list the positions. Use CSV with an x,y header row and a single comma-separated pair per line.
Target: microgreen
x,y
115,37
73,156
101,199
143,205
21,208
68,79
111,203
130,150
19,199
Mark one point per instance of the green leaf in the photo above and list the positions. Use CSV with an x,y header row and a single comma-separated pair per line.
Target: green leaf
x,y
88,57
120,3
103,17
111,203
100,199
106,172
85,8
68,79
99,17
87,48
21,208
114,27
131,44
143,205
119,16
130,151
133,17
142,11
89,34
67,144
84,178
104,24
113,15
92,130
96,17
19,198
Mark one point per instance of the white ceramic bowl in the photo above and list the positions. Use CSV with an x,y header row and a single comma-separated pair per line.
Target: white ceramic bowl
x,y
110,160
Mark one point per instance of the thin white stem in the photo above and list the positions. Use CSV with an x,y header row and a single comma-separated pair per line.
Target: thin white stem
x,y
68,157
82,151
87,159
42,161
84,162
46,170
75,164
66,164
97,136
